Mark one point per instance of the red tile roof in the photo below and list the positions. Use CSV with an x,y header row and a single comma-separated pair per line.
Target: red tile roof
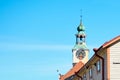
x,y
111,41
108,43
72,71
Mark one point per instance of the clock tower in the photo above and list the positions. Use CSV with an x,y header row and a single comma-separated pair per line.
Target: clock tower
x,y
80,50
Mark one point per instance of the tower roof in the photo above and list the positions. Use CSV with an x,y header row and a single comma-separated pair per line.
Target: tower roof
x,y
80,27
80,46
80,37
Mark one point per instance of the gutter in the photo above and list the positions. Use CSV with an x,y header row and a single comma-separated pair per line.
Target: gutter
x,y
103,70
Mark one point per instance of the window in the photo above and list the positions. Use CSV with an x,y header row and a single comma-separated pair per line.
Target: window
x,y
90,72
84,77
98,65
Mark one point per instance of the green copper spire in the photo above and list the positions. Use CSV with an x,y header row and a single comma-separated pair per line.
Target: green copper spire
x,y
80,27
80,46
80,37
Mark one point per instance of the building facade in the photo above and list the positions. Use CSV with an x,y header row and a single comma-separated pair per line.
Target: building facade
x,y
103,65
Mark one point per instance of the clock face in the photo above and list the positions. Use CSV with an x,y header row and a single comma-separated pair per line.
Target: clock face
x,y
80,54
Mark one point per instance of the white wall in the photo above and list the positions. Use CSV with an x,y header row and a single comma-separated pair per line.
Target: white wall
x,y
115,58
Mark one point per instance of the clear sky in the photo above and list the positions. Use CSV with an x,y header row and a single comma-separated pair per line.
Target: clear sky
x,y
37,36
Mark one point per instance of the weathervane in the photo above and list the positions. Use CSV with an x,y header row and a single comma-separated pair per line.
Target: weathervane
x,y
81,17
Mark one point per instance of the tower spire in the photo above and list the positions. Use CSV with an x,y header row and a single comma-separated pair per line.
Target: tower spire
x,y
81,31
81,17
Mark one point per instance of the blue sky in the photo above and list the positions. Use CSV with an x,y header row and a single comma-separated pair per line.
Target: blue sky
x,y
37,36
